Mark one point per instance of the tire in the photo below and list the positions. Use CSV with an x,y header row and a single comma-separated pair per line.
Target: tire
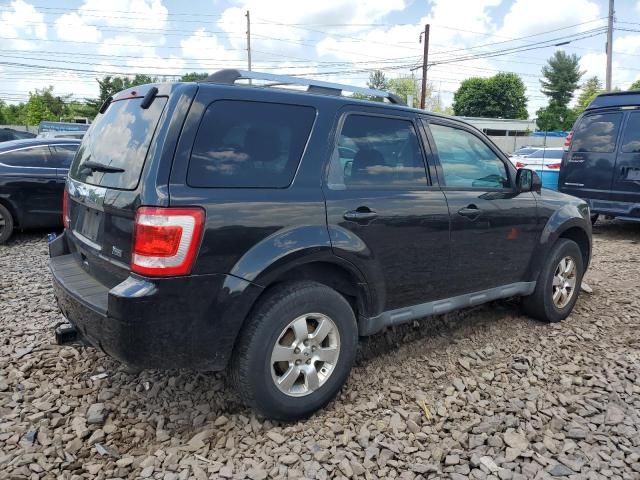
x,y
594,218
540,304
6,224
254,372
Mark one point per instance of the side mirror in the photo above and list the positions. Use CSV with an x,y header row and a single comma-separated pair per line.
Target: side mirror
x,y
528,181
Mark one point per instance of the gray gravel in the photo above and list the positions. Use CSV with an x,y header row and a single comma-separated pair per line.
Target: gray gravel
x,y
484,394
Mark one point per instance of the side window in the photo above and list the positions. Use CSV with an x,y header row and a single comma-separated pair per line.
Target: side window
x,y
597,133
377,152
467,162
249,144
631,138
27,157
62,155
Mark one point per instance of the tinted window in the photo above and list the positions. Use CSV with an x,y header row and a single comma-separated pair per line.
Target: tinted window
x,y
5,136
597,133
553,154
120,138
27,157
62,155
466,161
249,144
631,139
377,152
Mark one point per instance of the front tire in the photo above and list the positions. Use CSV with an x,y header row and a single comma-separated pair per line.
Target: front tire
x,y
296,351
558,284
6,224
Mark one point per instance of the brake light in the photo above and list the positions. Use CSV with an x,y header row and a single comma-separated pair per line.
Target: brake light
x,y
567,141
166,240
65,208
520,165
554,166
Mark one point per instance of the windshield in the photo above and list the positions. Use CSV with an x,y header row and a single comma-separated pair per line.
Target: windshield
x,y
120,139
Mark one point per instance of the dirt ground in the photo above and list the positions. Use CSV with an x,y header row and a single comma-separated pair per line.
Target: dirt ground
x,y
482,394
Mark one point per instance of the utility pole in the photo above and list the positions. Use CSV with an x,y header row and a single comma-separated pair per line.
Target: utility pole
x,y
609,46
248,41
425,59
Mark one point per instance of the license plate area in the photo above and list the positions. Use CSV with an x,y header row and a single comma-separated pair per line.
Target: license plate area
x,y
633,175
88,223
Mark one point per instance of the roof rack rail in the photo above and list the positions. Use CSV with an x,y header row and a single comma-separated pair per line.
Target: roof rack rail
x,y
229,76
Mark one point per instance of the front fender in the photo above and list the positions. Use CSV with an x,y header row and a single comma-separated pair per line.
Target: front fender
x,y
570,215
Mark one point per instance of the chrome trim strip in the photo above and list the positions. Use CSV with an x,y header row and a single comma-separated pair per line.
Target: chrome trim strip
x,y
86,241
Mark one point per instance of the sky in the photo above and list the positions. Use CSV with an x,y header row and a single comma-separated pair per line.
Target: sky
x,y
68,44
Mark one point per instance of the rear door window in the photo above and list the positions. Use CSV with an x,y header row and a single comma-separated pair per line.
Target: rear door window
x,y
376,152
597,133
249,144
35,157
631,138
118,138
62,155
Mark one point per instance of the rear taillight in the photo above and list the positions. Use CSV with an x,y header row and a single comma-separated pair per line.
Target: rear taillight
x,y
567,141
554,166
166,240
520,165
65,208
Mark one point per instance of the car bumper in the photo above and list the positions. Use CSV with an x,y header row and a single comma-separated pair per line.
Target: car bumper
x,y
627,211
181,322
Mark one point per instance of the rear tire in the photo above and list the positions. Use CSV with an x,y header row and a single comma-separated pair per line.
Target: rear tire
x,y
296,351
6,224
558,284
594,218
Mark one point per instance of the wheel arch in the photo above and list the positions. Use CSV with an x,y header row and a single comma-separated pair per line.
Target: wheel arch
x,y
13,211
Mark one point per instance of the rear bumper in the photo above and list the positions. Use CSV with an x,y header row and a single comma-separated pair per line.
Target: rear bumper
x,y
181,322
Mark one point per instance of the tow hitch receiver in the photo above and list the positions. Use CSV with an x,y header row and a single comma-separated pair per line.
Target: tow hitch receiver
x,y
66,333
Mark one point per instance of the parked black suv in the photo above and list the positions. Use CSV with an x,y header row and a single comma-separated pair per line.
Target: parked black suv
x,y
211,223
602,164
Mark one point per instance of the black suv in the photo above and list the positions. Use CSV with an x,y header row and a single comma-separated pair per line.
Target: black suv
x,y
602,164
216,223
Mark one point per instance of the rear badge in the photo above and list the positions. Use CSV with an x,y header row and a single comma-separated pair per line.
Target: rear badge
x,y
116,252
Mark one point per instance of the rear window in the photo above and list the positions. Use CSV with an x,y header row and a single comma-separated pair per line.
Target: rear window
x,y
553,154
597,133
631,139
119,138
249,144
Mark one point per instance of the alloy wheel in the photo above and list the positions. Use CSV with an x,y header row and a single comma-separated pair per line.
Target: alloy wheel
x,y
305,354
564,282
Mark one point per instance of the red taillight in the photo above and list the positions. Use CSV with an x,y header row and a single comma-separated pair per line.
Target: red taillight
x,y
65,208
553,166
520,165
166,240
567,141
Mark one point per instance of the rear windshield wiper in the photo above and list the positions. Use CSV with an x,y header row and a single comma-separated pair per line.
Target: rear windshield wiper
x,y
101,167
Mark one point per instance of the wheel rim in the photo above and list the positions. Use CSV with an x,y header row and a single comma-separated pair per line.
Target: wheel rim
x,y
3,222
564,282
305,354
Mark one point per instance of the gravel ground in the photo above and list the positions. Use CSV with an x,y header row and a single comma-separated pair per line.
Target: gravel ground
x,y
486,393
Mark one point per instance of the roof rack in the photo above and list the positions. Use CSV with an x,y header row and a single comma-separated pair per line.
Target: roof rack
x,y
230,76
616,99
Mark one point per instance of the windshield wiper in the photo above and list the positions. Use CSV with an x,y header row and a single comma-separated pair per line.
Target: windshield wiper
x,y
101,167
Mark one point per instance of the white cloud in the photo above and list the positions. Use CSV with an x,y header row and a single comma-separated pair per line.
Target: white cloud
x,y
22,20
525,17
146,14
72,26
202,45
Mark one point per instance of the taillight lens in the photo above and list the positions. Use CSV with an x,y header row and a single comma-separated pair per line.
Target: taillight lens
x,y
166,240
520,165
65,208
554,166
567,141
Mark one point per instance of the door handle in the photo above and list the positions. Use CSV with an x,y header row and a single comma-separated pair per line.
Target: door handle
x,y
360,214
470,211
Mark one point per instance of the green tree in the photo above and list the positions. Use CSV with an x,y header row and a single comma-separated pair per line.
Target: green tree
x,y
561,77
404,87
14,114
500,96
590,89
193,77
635,85
37,110
378,81
556,117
